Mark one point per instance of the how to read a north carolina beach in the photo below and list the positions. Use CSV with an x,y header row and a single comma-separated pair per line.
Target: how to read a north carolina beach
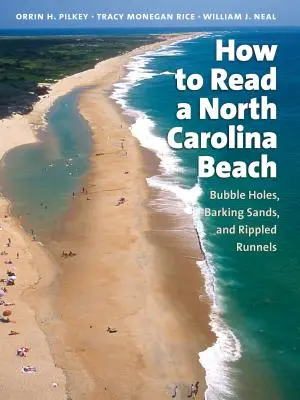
x,y
149,208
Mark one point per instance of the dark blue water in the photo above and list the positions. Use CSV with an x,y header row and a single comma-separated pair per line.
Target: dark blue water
x,y
256,295
40,178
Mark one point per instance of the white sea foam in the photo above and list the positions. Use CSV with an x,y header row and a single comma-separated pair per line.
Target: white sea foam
x,y
216,359
188,197
167,73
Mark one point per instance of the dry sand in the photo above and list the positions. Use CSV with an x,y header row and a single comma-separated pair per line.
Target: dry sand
x,y
131,273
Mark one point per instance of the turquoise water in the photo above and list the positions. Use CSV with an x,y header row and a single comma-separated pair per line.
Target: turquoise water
x,y
40,178
255,295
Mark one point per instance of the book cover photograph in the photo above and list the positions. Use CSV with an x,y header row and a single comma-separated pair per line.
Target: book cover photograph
x,y
149,200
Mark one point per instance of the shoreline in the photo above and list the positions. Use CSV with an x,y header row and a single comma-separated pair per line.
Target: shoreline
x,y
112,69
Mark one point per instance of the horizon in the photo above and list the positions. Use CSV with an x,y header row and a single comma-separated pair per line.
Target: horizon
x,y
283,14
147,30
189,29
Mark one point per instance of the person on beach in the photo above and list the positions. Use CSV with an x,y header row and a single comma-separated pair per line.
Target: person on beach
x,y
5,320
13,333
120,201
194,390
174,392
10,281
111,330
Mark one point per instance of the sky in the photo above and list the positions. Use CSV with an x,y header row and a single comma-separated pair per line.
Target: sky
x,y
287,12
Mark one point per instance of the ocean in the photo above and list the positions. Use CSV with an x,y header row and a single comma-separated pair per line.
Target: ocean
x,y
255,295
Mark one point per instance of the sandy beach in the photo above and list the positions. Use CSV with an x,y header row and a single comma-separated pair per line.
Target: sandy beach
x,y
142,279
131,273
26,260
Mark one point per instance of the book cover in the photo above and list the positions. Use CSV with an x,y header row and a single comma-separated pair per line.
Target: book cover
x,y
149,223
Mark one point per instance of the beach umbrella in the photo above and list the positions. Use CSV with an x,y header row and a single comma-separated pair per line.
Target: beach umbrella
x,y
7,313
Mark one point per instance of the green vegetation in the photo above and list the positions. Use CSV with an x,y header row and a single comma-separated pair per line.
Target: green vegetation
x,y
27,62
